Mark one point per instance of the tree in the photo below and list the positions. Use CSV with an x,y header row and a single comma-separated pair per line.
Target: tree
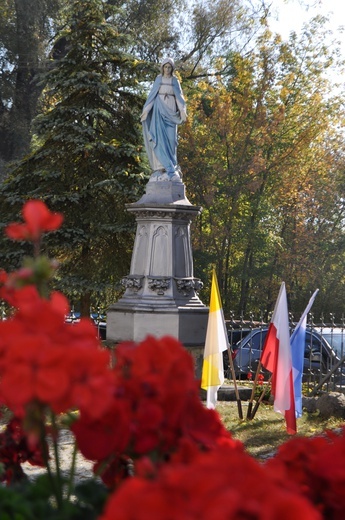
x,y
96,86
153,25
256,148
25,26
214,30
87,163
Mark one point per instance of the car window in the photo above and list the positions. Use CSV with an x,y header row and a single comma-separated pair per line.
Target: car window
x,y
237,335
256,341
317,354
336,340
312,344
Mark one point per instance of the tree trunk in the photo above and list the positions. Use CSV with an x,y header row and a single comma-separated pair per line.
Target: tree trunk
x,y
85,304
15,121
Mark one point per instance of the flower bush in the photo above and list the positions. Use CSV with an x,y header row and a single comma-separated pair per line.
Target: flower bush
x,y
314,468
221,483
159,452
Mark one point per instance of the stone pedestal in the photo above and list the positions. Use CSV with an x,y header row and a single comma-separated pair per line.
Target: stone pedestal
x,y
161,293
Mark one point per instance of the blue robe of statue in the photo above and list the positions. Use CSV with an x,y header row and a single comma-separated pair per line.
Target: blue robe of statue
x,y
165,108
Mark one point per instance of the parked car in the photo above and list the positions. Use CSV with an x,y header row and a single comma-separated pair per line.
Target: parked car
x,y
323,349
334,336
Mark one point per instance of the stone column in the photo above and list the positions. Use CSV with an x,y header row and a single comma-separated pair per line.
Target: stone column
x,y
161,293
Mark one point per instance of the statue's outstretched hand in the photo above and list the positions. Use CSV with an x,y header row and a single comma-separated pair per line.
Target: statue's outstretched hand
x,y
143,116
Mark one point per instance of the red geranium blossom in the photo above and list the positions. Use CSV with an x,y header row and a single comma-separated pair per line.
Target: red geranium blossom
x,y
38,219
18,297
315,468
16,448
222,483
44,359
156,407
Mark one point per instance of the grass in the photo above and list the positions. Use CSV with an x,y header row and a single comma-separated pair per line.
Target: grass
x,y
263,435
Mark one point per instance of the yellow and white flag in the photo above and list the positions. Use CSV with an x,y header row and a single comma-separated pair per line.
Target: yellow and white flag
x,y
216,342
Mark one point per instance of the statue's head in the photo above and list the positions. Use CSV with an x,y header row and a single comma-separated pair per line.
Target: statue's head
x,y
169,61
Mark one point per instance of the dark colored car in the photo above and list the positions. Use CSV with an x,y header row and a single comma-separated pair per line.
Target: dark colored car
x,y
323,349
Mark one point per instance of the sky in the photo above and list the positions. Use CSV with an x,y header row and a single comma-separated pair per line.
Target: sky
x,y
290,16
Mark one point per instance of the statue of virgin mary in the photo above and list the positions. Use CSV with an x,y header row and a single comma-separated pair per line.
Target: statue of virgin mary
x,y
165,108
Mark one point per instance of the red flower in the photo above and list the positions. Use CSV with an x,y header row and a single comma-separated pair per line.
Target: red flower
x,y
118,469
108,436
18,297
15,448
156,409
38,219
44,359
222,483
3,277
315,468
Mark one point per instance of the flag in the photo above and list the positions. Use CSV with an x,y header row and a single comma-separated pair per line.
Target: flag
x,y
276,357
297,352
216,342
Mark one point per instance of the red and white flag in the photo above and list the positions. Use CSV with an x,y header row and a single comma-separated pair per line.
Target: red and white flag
x,y
276,357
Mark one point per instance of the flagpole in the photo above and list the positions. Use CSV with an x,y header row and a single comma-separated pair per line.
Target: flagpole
x,y
259,401
239,402
250,404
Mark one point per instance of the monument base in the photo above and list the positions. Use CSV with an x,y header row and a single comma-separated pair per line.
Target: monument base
x,y
188,325
161,293
164,192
